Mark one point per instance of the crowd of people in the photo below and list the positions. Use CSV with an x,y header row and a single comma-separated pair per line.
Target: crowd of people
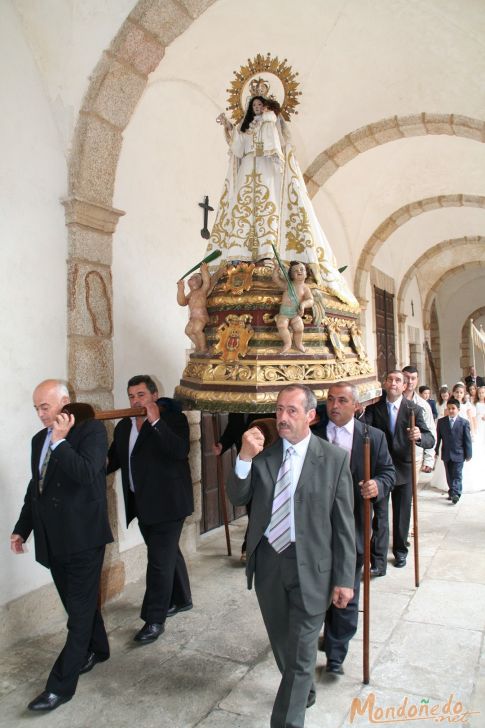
x,y
467,397
306,489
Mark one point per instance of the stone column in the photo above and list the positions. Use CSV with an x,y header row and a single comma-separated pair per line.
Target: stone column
x,y
191,530
90,331
363,303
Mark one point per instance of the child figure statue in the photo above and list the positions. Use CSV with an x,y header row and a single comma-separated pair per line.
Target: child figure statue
x,y
196,300
296,298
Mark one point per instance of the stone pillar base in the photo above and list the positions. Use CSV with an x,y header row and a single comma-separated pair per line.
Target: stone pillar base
x,y
112,581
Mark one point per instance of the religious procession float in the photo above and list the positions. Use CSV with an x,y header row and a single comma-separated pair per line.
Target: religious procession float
x,y
269,306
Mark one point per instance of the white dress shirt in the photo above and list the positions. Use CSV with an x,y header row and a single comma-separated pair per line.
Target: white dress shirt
x,y
243,468
341,436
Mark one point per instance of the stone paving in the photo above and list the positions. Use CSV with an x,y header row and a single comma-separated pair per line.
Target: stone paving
x,y
213,668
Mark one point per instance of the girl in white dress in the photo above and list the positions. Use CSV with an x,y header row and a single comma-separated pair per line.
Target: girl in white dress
x,y
473,480
438,479
443,397
467,410
480,419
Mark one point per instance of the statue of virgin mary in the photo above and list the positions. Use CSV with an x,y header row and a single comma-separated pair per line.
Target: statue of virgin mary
x,y
264,201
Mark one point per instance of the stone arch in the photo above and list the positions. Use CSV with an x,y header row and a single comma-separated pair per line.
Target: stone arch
x,y
436,251
466,359
433,252
401,217
431,294
384,131
116,85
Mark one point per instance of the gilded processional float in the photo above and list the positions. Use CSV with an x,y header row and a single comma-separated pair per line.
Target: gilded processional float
x,y
269,306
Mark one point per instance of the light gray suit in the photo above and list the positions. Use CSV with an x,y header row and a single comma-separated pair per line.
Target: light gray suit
x,y
294,588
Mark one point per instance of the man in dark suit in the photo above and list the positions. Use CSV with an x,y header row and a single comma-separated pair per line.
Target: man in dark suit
x,y
301,544
453,432
342,429
392,415
65,506
474,378
152,452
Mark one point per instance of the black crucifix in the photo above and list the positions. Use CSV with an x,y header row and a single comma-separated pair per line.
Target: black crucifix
x,y
412,308
206,207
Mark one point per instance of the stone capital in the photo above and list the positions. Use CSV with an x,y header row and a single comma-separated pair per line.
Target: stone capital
x,y
91,214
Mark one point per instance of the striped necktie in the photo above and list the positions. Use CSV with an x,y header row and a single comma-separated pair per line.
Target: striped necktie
x,y
279,535
45,462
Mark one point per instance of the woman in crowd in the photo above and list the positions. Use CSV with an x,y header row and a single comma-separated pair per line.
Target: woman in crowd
x,y
443,397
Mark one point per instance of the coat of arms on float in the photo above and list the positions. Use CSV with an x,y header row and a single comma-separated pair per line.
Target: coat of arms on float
x,y
272,308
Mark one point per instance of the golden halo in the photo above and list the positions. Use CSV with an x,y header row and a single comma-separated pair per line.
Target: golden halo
x,y
266,64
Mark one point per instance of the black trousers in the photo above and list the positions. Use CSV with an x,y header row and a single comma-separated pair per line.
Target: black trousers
x,y
401,496
454,477
341,624
167,580
379,544
77,580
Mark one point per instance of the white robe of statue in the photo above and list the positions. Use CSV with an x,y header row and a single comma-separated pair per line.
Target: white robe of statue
x,y
265,201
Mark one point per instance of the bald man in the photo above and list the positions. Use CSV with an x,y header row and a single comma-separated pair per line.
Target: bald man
x,y
65,506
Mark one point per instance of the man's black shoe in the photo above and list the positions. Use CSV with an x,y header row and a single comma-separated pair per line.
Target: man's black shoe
x,y
335,668
455,499
149,633
399,562
48,701
91,660
377,572
175,608
311,699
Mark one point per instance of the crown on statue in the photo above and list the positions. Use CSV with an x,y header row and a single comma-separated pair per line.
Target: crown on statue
x,y
259,87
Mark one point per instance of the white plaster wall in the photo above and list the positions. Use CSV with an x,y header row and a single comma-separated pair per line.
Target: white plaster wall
x,y
173,154
67,38
32,279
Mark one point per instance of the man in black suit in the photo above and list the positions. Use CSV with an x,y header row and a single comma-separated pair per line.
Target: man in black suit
x,y
474,378
301,544
152,452
65,506
392,415
342,429
454,432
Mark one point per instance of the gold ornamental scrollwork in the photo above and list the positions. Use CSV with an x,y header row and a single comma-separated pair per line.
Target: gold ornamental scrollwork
x,y
239,373
259,86
233,337
239,278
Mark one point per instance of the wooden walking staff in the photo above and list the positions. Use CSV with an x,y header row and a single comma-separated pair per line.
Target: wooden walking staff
x,y
220,485
412,424
367,476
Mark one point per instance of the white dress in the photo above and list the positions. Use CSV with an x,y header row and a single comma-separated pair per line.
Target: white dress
x,y
264,202
473,471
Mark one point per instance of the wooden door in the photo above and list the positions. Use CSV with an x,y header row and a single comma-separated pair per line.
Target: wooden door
x,y
385,335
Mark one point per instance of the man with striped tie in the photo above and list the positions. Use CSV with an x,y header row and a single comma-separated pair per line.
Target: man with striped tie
x,y
301,541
